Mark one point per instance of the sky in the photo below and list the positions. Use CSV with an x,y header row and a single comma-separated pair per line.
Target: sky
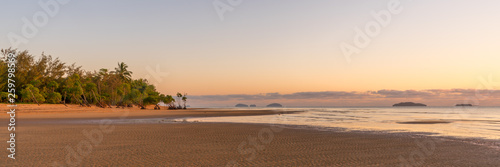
x,y
261,48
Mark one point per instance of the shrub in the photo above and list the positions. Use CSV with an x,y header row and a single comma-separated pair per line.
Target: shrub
x,y
53,98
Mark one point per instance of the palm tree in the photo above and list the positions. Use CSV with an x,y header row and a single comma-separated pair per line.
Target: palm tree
x,y
122,72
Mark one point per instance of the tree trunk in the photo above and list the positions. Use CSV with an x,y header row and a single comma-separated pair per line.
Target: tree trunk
x,y
64,100
83,94
34,98
141,106
78,100
99,101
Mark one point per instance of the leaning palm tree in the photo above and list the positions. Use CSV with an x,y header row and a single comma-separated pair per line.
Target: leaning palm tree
x,y
122,72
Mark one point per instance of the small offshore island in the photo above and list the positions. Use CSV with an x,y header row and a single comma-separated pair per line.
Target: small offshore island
x,y
274,105
409,104
241,105
464,105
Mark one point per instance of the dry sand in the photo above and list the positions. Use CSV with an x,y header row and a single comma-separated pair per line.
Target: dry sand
x,y
216,144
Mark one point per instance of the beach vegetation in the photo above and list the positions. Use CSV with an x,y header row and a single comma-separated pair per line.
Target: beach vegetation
x,y
47,79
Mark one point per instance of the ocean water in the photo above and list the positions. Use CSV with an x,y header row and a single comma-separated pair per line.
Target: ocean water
x,y
462,122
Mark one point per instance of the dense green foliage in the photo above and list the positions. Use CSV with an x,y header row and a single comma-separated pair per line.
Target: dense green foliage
x,y
48,80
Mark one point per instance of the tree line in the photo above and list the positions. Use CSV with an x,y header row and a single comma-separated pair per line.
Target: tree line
x,y
48,80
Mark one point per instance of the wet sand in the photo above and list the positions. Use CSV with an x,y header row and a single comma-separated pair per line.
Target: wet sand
x,y
218,144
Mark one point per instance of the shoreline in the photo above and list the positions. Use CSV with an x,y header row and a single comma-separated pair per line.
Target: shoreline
x,y
59,111
40,142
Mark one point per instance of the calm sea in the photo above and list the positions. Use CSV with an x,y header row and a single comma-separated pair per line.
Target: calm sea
x,y
475,122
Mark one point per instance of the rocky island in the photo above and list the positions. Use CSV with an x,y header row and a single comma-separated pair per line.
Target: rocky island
x,y
274,105
241,105
409,104
463,105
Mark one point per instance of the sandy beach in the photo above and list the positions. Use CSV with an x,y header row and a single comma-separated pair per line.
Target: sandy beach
x,y
43,140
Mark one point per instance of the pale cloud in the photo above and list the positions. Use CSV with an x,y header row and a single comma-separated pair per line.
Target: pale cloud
x,y
440,97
